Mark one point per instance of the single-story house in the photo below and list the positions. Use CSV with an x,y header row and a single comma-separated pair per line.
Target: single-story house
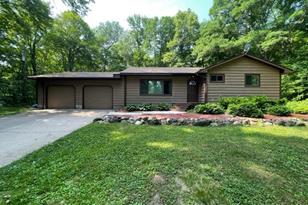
x,y
244,75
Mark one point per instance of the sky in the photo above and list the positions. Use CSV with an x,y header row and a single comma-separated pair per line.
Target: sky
x,y
119,10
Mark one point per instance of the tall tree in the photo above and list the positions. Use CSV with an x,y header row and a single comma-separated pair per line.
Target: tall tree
x,y
107,36
79,6
186,33
73,40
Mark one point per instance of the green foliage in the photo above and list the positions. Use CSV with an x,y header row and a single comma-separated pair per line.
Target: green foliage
x,y
4,111
300,107
209,108
163,106
100,164
262,102
279,110
246,109
186,34
148,107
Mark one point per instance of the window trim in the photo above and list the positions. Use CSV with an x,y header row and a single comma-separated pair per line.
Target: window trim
x,y
252,86
220,74
142,94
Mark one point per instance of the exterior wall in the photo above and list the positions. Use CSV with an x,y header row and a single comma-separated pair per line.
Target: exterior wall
x,y
234,84
117,86
179,90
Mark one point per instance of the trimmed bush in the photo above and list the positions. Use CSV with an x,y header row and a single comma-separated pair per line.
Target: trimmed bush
x,y
148,107
209,108
279,110
300,107
163,106
247,109
131,108
262,102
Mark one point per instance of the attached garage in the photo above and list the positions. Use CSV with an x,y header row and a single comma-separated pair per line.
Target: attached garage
x,y
61,96
97,97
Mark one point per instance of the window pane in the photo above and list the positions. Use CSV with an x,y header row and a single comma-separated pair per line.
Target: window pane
x,y
155,87
220,78
213,77
252,80
167,87
144,87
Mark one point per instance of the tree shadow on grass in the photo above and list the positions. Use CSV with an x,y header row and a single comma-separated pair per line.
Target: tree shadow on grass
x,y
116,163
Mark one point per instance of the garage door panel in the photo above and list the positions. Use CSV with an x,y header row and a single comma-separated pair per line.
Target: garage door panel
x,y
61,97
97,97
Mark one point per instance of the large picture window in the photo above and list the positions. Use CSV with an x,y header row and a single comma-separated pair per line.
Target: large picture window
x,y
155,87
252,80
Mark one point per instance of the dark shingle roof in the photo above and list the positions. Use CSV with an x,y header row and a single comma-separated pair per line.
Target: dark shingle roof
x,y
160,70
79,75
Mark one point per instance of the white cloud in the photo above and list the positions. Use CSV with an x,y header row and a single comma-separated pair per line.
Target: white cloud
x,y
119,10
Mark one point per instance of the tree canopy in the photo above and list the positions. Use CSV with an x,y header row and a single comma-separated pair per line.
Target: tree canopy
x,y
33,42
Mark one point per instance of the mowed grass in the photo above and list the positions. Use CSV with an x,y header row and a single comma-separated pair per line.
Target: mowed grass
x,y
116,163
11,110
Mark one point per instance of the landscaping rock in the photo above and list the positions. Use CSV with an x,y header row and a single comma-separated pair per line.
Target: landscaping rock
x,y
267,124
201,122
198,121
214,124
139,122
237,122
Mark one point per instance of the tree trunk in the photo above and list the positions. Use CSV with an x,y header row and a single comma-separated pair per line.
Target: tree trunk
x,y
33,58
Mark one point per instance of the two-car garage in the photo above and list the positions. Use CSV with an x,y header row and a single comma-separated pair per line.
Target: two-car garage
x,y
94,97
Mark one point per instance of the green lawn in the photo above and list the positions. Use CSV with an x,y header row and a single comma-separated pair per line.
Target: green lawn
x,y
11,110
116,163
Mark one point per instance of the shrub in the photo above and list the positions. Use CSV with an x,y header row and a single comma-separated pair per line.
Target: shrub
x,y
148,107
163,106
131,108
300,107
279,110
262,102
246,109
209,108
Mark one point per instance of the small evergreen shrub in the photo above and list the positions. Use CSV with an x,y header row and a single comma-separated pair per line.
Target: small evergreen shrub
x,y
246,109
163,106
300,107
148,107
131,107
262,102
209,108
279,110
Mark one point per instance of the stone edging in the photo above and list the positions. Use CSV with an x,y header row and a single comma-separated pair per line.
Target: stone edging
x,y
198,122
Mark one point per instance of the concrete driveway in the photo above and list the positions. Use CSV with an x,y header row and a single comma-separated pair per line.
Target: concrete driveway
x,y
23,133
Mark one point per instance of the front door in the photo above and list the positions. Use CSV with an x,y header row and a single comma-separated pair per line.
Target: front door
x,y
192,90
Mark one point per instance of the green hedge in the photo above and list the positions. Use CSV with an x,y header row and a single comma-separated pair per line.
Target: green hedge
x,y
262,102
148,107
246,109
209,108
279,110
300,107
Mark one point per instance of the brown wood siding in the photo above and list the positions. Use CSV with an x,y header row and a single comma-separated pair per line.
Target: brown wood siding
x,y
234,84
179,90
117,88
